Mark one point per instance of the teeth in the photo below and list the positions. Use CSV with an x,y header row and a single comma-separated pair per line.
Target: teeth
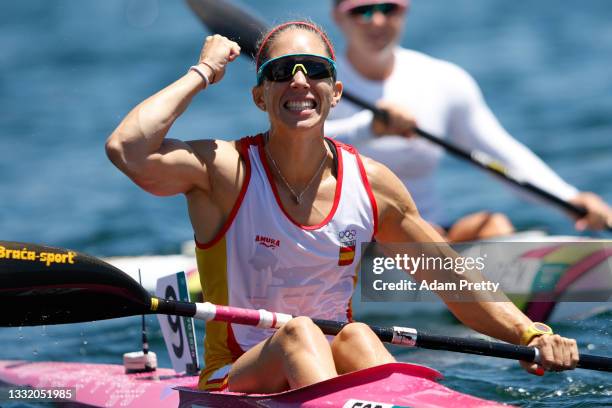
x,y
300,105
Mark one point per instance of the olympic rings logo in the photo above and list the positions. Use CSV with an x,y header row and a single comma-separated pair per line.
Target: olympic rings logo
x,y
347,235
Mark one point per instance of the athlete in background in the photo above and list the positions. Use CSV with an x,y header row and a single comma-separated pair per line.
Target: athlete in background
x,y
439,97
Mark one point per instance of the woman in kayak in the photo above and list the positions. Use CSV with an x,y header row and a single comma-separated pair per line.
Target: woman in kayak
x,y
440,97
279,219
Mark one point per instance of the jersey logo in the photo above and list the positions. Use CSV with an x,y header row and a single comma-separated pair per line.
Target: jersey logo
x,y
267,241
348,241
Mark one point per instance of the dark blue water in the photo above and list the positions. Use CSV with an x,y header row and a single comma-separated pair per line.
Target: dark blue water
x,y
69,71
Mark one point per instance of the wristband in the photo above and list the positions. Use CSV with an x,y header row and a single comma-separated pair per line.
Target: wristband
x,y
212,70
201,73
534,330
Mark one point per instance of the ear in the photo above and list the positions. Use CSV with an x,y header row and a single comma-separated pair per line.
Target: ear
x,y
338,87
257,93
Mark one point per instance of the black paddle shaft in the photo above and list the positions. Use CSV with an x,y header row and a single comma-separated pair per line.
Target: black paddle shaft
x,y
502,350
466,345
435,342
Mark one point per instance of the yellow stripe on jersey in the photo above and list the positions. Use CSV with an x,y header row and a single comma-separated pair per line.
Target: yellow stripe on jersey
x,y
212,267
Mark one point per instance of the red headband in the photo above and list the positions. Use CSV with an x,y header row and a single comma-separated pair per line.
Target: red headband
x,y
302,23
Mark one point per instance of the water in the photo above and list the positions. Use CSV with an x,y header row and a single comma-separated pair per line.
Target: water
x,y
69,71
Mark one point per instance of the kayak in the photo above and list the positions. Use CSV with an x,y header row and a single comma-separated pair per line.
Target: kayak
x,y
540,259
389,385
106,385
99,385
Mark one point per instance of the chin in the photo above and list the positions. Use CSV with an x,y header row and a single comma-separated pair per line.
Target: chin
x,y
303,124
380,45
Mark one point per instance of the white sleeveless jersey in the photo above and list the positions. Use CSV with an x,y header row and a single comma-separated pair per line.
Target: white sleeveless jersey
x,y
264,259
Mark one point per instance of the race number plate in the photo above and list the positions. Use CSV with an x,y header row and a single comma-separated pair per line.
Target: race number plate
x,y
179,332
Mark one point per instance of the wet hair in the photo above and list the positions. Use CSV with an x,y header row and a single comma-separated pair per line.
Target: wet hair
x,y
267,39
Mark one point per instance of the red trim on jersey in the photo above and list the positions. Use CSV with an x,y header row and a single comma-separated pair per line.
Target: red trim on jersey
x,y
366,184
217,380
243,149
349,311
262,156
349,308
232,344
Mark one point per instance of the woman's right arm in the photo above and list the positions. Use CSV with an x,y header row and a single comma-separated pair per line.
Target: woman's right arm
x,y
138,146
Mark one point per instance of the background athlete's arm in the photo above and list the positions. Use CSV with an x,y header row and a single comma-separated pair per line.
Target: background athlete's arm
x,y
348,126
138,146
400,222
474,126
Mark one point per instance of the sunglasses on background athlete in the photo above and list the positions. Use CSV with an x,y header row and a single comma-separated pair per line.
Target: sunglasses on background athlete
x,y
283,68
366,12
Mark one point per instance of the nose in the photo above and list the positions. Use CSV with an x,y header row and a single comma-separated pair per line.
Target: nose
x,y
378,18
299,79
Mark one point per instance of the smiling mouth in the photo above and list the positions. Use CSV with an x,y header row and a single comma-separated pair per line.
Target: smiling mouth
x,y
298,106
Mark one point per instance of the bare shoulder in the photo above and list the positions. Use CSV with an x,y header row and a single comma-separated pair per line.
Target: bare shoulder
x,y
213,152
387,187
225,175
398,217
225,167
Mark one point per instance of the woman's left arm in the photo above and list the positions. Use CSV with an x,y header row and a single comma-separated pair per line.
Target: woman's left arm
x,y
486,312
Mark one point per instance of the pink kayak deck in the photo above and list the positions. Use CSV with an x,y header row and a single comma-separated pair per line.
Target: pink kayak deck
x,y
395,384
100,385
106,385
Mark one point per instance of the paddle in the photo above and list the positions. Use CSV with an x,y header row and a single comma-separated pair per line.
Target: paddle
x,y
244,27
41,285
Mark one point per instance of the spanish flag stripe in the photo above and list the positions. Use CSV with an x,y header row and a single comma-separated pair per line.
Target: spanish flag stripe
x,y
345,262
347,249
347,255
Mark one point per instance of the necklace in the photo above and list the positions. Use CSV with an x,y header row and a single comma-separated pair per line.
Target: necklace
x,y
296,196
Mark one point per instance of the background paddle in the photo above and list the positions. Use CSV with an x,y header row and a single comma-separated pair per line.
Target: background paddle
x,y
244,27
41,285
